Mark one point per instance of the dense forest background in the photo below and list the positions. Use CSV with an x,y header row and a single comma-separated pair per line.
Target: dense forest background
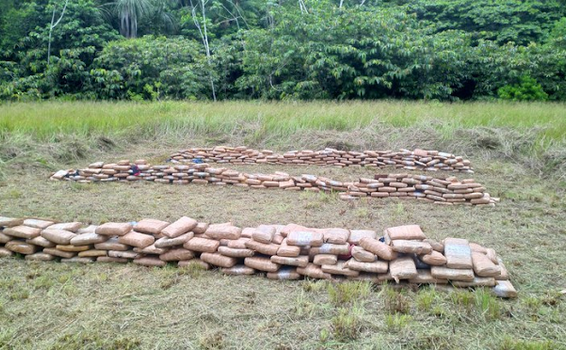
x,y
283,49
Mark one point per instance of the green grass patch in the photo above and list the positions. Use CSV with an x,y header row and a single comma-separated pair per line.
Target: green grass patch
x,y
47,120
348,292
347,324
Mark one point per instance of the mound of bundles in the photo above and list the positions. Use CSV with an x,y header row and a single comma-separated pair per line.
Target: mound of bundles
x,y
402,255
428,160
440,190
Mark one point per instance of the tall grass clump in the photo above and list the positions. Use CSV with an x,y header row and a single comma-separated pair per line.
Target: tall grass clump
x,y
44,119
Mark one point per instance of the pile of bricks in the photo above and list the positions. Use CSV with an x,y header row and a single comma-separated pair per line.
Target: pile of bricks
x,y
402,255
427,160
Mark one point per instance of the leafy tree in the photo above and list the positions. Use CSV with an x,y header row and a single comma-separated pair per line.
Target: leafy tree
x,y
334,52
492,66
150,68
75,41
519,21
17,19
131,12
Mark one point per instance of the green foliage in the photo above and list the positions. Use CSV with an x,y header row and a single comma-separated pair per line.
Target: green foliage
x,y
315,49
517,21
76,40
492,67
527,90
151,67
558,34
345,293
347,325
348,53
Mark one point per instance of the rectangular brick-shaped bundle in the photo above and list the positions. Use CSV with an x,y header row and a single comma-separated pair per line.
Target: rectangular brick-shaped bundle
x,y
378,248
285,273
458,253
179,227
136,239
402,269
325,259
339,268
22,232
288,250
223,231
177,254
58,236
218,259
483,266
239,243
434,258
238,270
166,242
113,229
305,238
235,252
504,289
357,235
21,247
199,244
329,248
362,255
301,261
335,235
267,249
150,261
41,242
264,234
313,271
38,223
406,232
5,238
425,277
261,264
67,226
151,226
373,267
9,222
111,244
442,272
406,246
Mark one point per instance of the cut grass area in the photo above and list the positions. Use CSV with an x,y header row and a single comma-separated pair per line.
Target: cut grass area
x,y
100,306
105,306
54,305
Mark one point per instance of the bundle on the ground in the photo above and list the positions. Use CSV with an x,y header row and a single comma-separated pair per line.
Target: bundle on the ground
x,y
441,190
401,255
428,160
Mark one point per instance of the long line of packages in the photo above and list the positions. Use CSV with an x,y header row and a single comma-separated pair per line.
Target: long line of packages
x,y
439,190
402,255
418,159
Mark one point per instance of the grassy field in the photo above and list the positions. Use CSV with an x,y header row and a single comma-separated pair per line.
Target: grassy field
x,y
517,150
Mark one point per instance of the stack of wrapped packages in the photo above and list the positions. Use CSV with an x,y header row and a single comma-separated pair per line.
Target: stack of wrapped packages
x,y
402,255
445,190
427,160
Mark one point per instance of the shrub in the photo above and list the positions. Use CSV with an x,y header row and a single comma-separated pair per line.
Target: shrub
x,y
527,90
